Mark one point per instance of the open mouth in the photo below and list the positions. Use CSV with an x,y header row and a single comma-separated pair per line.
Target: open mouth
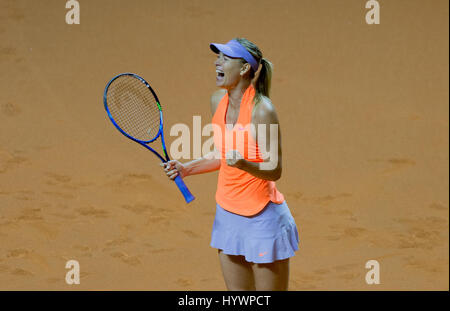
x,y
219,74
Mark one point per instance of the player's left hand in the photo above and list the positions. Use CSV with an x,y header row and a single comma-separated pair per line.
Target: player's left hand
x,y
234,158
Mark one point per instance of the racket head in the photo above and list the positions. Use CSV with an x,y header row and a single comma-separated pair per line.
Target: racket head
x,y
133,107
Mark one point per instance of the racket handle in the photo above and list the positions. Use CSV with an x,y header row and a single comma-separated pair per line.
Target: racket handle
x,y
184,190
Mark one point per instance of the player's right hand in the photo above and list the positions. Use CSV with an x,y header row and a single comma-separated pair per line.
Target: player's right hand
x,y
173,168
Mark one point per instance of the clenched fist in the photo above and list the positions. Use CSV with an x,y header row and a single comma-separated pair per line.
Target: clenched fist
x,y
234,158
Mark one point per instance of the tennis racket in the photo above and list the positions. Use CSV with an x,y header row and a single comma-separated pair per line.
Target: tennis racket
x,y
134,109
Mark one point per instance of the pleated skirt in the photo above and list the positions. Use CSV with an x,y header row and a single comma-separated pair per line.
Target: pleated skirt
x,y
266,237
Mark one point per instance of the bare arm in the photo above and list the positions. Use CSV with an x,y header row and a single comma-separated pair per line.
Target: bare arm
x,y
209,163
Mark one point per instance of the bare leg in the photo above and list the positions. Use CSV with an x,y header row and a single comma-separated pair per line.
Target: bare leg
x,y
272,276
237,272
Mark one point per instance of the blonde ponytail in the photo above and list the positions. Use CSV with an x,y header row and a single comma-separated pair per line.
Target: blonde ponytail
x,y
263,82
265,78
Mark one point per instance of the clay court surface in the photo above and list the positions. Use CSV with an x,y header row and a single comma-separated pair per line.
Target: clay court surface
x,y
364,119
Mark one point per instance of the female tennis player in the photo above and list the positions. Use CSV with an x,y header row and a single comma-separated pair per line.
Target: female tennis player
x,y
253,229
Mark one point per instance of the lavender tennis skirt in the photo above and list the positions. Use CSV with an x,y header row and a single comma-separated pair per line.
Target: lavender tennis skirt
x,y
265,237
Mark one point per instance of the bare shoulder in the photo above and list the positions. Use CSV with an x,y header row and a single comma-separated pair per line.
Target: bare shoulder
x,y
215,99
264,111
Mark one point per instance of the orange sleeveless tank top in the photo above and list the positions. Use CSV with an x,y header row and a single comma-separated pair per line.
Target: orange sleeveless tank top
x,y
240,192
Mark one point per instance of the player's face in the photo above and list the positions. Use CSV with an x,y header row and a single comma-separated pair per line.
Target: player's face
x,y
228,71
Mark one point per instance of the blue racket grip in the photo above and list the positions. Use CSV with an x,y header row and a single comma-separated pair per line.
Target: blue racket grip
x,y
184,190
